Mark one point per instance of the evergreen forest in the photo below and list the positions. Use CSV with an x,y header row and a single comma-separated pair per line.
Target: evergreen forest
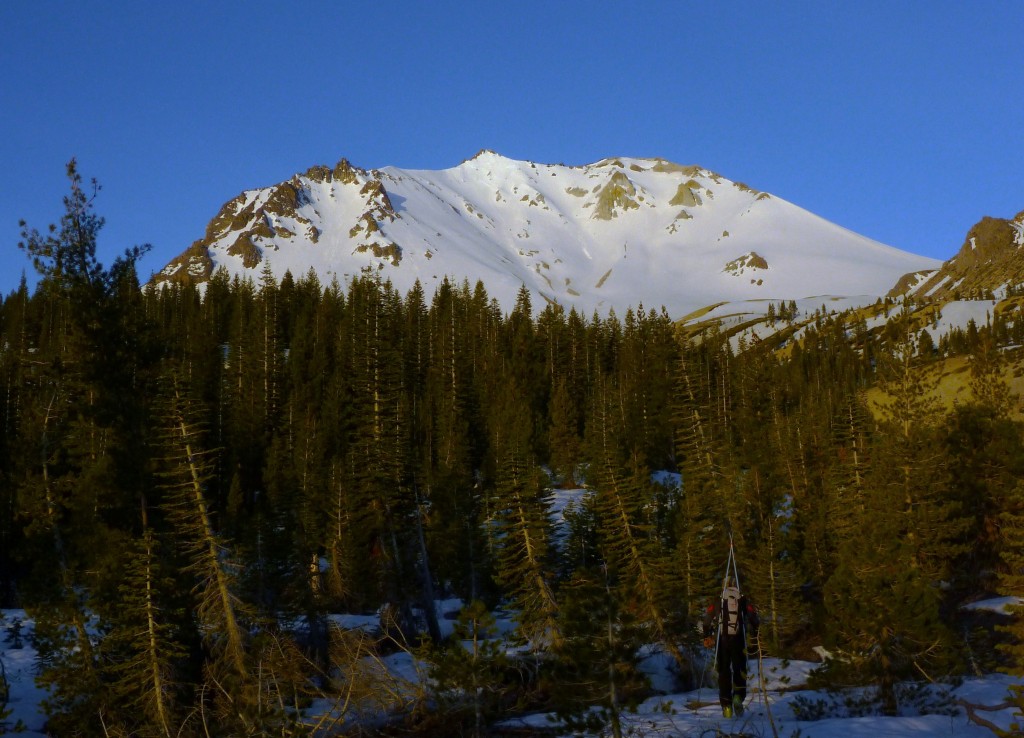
x,y
194,482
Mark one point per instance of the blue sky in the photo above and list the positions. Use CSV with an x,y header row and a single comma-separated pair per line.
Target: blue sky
x,y
903,121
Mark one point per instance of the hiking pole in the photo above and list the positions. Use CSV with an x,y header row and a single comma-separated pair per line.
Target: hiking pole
x,y
735,569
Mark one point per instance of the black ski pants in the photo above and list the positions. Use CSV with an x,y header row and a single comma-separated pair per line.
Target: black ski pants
x,y
732,668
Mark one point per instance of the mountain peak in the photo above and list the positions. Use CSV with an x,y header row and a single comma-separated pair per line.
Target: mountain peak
x,y
610,234
485,154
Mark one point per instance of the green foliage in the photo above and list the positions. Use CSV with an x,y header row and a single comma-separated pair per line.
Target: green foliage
x,y
523,532
884,598
469,673
596,664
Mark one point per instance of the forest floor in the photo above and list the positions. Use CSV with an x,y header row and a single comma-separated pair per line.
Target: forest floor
x,y
779,704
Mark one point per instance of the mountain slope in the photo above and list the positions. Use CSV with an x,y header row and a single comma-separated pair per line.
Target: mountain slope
x,y
607,235
990,260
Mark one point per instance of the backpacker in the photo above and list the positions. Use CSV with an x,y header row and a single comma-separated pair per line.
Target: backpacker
x,y
731,611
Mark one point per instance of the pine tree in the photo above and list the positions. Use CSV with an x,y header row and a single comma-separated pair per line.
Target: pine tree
x,y
219,613
144,648
1011,583
985,452
884,598
627,536
84,437
772,579
988,385
843,508
883,615
450,435
908,461
14,393
523,527
380,436
563,435
596,664
700,443
467,673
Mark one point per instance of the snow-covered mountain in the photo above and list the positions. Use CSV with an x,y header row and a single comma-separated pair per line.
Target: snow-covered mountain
x,y
612,234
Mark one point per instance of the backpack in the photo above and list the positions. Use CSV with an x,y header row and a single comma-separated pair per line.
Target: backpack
x,y
731,611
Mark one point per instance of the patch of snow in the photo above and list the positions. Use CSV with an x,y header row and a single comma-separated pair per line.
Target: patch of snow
x,y
1000,605
563,498
349,621
958,314
937,286
19,665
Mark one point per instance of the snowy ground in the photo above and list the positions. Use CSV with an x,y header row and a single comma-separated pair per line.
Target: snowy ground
x,y
781,701
18,659
778,705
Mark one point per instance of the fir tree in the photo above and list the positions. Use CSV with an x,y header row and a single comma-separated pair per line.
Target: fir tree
x,y
220,614
522,509
596,664
467,673
626,535
84,434
144,648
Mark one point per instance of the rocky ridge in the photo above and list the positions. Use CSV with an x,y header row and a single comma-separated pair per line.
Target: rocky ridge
x,y
990,261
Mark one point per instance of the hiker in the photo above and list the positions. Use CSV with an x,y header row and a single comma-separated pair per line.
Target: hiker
x,y
734,618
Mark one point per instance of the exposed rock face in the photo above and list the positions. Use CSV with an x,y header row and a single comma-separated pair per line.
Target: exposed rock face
x,y
991,259
618,194
752,261
193,265
260,220
687,195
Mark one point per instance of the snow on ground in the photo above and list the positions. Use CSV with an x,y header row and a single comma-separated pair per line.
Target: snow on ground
x,y
18,658
350,621
730,316
776,695
1000,605
562,499
958,313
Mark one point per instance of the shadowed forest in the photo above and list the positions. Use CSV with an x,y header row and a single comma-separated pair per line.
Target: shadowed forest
x,y
194,482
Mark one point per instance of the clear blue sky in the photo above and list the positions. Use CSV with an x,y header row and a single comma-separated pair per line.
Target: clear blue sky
x,y
903,121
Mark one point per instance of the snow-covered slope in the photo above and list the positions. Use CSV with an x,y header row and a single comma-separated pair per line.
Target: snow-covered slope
x,y
612,234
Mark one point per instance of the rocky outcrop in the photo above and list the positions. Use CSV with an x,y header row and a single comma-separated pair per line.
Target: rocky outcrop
x,y
990,260
618,194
